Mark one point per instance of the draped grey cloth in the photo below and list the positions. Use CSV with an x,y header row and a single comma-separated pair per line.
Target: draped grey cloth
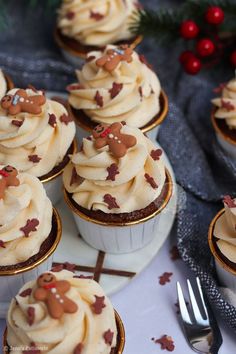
x,y
29,54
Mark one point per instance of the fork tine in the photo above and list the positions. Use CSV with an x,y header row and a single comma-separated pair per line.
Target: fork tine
x,y
182,304
202,298
195,308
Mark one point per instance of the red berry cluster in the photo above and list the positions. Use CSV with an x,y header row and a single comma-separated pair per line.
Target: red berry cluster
x,y
205,47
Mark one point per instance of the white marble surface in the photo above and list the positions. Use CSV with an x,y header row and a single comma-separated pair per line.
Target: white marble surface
x,y
148,309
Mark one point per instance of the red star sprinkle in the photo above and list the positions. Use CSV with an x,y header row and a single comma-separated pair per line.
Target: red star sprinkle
x,y
156,154
78,349
144,61
220,88
17,123
99,99
73,87
229,201
32,349
115,90
165,278
98,305
75,178
96,16
31,225
112,172
70,15
57,268
31,315
34,158
227,105
110,201
66,118
108,336
90,58
174,253
52,120
2,244
26,292
166,343
151,181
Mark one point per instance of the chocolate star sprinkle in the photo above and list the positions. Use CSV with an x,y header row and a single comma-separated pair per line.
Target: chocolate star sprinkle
x,y
165,278
31,225
32,349
17,123
70,15
156,154
75,178
166,343
66,118
110,201
26,292
151,181
112,172
174,253
2,244
229,201
98,305
220,88
73,87
34,158
108,336
144,61
52,120
96,16
90,58
78,349
31,315
227,105
99,99
115,90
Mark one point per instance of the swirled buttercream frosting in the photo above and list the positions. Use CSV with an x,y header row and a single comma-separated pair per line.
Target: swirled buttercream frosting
x,y
96,23
35,132
25,216
86,323
118,170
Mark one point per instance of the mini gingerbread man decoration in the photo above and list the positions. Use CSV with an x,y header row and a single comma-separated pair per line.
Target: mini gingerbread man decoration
x,y
21,102
52,292
113,137
8,177
113,57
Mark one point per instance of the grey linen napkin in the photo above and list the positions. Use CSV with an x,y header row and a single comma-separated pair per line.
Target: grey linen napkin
x,y
29,54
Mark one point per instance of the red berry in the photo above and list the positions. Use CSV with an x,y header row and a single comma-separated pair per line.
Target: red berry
x,y
233,58
192,66
214,15
189,29
205,47
186,55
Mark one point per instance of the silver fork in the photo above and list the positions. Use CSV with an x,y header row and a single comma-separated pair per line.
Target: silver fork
x,y
197,327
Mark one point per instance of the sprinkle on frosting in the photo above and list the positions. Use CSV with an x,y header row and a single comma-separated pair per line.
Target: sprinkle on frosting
x,y
75,178
112,172
31,226
66,118
99,99
96,15
115,90
17,123
229,201
26,292
108,336
52,120
227,105
78,349
151,181
156,154
110,201
31,315
98,305
70,15
2,244
74,87
34,158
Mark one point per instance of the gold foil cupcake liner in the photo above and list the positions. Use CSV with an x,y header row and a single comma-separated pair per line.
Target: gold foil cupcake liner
x,y
134,222
42,259
120,337
217,129
213,247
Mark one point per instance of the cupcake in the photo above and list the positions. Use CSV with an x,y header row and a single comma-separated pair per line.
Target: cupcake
x,y
61,313
36,136
30,230
117,85
222,242
5,83
224,117
117,186
87,25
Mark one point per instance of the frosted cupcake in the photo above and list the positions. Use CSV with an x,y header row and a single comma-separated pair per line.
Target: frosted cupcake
x,y
117,85
29,231
224,117
5,83
222,241
36,136
117,186
61,313
83,26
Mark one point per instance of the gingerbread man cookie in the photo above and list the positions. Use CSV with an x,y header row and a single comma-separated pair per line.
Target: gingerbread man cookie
x,y
21,102
113,57
8,177
52,292
111,135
